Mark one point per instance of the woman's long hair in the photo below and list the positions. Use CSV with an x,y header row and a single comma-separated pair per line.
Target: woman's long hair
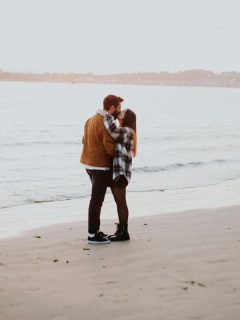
x,y
130,121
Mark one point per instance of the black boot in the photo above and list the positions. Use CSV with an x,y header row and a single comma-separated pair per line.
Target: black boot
x,y
121,233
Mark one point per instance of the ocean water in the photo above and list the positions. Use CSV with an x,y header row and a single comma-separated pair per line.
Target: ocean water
x,y
187,137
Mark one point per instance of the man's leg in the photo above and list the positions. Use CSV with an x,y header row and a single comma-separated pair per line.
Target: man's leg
x,y
99,179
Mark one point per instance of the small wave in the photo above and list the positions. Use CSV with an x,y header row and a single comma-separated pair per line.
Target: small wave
x,y
56,199
175,166
23,144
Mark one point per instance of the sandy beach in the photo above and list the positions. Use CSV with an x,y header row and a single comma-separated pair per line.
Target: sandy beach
x,y
182,265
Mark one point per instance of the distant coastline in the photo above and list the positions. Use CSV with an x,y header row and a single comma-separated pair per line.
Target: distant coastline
x,y
182,78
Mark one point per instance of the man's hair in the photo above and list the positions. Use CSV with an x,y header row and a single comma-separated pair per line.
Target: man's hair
x,y
111,100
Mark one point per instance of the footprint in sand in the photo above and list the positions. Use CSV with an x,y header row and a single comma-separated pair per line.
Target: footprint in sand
x,y
191,282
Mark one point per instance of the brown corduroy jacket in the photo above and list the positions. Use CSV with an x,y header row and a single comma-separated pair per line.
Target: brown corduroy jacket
x,y
98,145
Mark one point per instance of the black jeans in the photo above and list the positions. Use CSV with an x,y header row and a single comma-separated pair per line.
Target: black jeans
x,y
100,180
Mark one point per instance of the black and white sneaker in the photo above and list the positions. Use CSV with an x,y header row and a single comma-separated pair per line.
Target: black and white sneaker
x,y
98,238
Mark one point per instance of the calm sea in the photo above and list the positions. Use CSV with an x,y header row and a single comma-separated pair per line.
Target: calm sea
x,y
187,137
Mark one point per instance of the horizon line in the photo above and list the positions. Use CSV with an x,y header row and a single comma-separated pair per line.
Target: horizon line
x,y
116,73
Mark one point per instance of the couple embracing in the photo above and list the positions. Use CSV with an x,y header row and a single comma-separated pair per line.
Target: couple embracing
x,y
108,148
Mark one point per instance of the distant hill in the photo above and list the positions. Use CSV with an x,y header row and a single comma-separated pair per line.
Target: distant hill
x,y
182,78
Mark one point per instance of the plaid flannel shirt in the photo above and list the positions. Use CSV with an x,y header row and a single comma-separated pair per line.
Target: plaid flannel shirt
x,y
122,160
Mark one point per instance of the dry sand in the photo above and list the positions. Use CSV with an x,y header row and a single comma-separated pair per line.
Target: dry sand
x,y
176,266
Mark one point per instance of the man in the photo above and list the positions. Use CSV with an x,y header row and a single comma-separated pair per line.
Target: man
x,y
98,151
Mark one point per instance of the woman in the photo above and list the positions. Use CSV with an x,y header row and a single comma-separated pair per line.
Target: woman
x,y
126,146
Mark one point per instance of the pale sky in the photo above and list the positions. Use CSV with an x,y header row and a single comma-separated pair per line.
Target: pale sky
x,y
117,36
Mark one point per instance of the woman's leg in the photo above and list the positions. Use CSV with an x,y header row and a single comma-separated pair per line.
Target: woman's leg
x,y
121,233
119,195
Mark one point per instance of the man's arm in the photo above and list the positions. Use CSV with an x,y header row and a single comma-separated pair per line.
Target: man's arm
x,y
84,133
108,143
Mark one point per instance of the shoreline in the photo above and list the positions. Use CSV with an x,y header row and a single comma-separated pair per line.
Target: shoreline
x,y
109,223
178,266
15,220
129,192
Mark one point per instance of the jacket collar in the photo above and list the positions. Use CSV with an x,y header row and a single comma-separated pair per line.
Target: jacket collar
x,y
102,112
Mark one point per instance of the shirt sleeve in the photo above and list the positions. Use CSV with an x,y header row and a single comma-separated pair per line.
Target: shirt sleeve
x,y
117,133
